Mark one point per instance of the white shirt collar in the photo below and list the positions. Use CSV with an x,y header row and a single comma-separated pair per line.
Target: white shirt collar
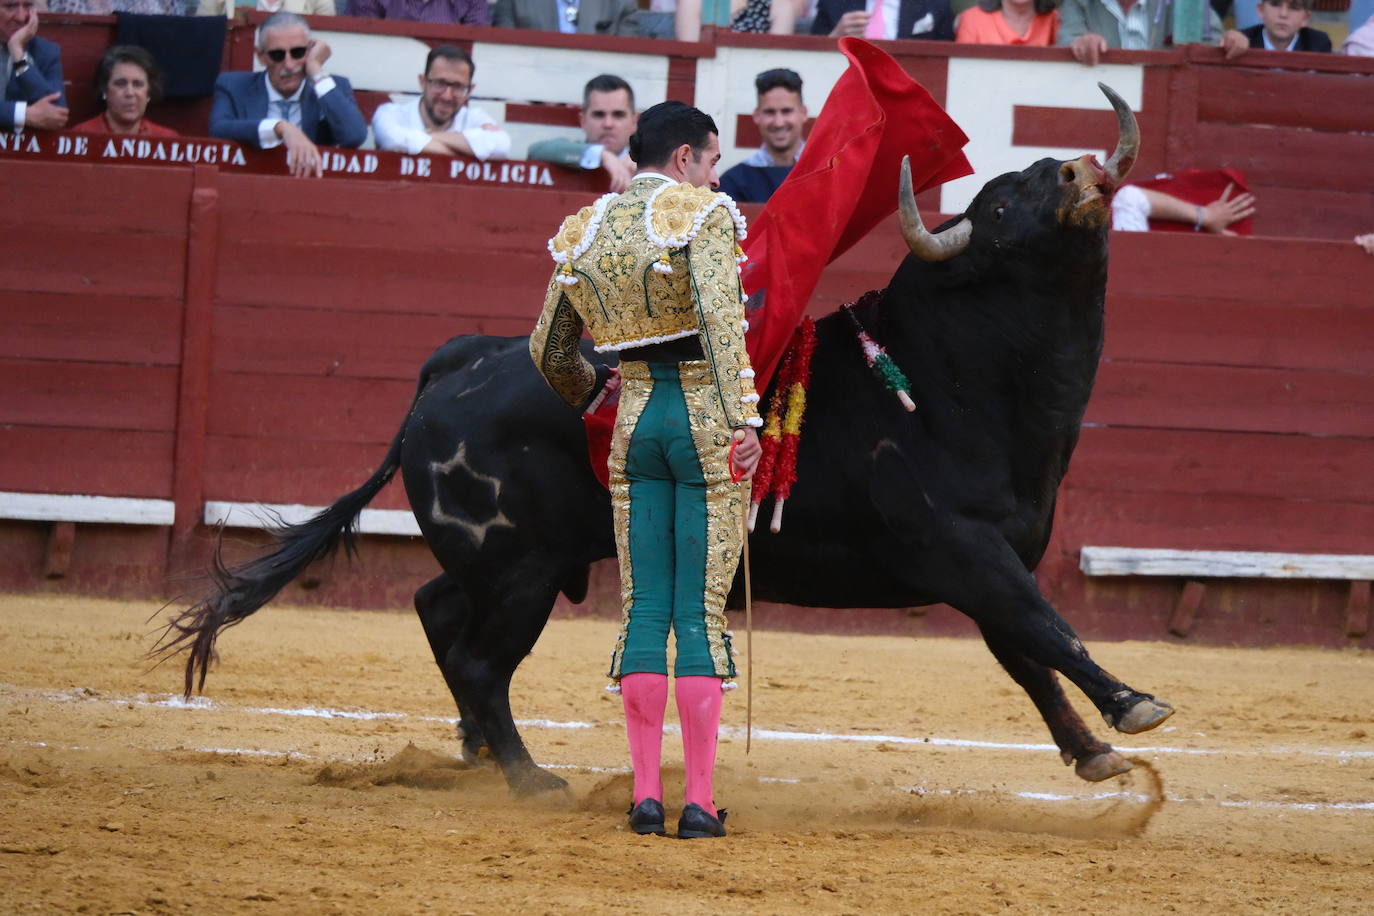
x,y
1269,46
659,175
274,96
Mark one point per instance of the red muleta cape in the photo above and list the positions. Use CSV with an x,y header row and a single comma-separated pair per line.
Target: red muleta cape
x,y
843,185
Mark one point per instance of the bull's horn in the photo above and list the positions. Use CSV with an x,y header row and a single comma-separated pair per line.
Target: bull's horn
x,y
925,246
1128,138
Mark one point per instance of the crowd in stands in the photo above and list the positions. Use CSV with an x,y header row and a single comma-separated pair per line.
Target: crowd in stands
x,y
297,104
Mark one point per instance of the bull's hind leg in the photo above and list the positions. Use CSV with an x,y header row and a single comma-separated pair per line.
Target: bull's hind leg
x,y
443,607
1093,760
1005,603
478,641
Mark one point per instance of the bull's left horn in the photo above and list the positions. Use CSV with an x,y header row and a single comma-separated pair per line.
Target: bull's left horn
x,y
1128,138
922,243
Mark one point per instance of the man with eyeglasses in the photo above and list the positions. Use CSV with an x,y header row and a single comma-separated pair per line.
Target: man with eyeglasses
x,y
441,121
30,71
295,103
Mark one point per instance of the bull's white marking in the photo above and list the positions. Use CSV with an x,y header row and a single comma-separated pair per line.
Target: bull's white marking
x,y
476,530
11,693
921,791
981,96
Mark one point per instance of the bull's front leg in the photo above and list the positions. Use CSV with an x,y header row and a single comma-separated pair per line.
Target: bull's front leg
x,y
1093,760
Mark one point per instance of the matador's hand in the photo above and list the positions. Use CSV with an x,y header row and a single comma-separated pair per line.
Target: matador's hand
x,y
745,454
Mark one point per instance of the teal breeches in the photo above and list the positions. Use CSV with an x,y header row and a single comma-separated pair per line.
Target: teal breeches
x,y
678,520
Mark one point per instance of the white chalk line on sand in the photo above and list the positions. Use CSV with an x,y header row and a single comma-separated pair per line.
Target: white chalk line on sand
x,y
919,791
12,693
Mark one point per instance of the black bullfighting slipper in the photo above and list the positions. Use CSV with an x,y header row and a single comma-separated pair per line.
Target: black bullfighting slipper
x,y
647,817
696,824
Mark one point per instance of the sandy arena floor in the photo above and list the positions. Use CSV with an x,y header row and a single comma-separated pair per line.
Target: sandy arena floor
x,y
886,775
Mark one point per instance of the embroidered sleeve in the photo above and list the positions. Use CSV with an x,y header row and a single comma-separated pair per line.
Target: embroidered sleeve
x,y
554,348
713,255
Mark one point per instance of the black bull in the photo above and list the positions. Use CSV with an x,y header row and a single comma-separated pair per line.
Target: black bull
x,y
997,321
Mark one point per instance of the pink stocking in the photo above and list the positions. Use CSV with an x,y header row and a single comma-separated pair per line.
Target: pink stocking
x,y
698,707
646,697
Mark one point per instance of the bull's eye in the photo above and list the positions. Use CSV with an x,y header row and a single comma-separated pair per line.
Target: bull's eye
x,y
997,213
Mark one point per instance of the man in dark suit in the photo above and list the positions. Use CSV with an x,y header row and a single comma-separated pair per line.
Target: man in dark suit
x,y
884,19
581,17
31,70
293,104
1283,27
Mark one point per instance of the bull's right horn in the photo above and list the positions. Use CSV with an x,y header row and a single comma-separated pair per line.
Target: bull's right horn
x,y
922,243
1127,138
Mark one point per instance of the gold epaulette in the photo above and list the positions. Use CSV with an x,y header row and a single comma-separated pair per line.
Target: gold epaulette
x,y
575,236
675,213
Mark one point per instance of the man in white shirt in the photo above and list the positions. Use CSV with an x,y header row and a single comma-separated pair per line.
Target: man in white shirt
x,y
441,121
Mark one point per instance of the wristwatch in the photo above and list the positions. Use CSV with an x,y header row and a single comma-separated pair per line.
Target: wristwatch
x,y
22,64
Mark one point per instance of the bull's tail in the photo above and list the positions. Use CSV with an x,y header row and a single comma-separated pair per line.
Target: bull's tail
x,y
238,592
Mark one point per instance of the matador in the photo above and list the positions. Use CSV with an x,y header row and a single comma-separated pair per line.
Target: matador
x,y
653,274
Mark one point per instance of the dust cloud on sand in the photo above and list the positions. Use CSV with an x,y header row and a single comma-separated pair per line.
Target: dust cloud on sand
x,y
320,774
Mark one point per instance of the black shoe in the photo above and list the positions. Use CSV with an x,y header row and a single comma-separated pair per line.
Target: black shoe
x,y
696,824
647,817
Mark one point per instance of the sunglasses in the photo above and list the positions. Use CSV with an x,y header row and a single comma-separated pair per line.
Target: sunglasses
x,y
277,55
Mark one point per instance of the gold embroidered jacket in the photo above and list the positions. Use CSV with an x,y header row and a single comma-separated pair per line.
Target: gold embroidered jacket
x,y
657,263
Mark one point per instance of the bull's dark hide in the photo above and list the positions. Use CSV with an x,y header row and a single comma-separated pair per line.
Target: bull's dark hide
x,y
951,503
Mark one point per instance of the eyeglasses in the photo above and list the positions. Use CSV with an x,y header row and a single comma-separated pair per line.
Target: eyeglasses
x,y
446,86
277,55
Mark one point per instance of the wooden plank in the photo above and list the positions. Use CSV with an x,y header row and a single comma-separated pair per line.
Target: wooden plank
x,y
258,406
1292,158
271,515
57,557
1284,98
1308,334
91,328
299,471
1310,213
96,461
1294,272
1215,521
75,507
1164,395
1223,564
1357,610
1327,469
96,395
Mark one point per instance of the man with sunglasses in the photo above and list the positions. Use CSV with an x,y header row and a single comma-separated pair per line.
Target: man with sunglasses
x,y
441,121
294,103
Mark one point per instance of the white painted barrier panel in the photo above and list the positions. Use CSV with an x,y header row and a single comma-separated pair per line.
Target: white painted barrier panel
x,y
1229,564
64,507
270,515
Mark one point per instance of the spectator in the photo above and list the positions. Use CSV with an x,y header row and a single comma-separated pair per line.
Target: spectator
x,y
1360,43
1009,22
780,116
284,108
607,120
755,16
127,79
1133,207
580,17
440,120
1283,27
1091,27
32,70
884,19
110,7
299,7
450,12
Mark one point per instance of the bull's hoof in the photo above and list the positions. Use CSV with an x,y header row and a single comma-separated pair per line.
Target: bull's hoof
x,y
472,746
1143,716
1102,766
535,781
